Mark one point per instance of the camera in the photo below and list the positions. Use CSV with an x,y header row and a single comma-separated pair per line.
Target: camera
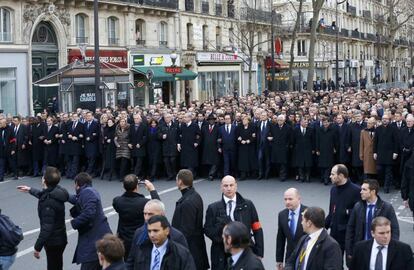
x,y
141,182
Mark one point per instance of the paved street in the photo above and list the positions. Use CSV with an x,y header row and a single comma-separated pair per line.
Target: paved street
x,y
267,196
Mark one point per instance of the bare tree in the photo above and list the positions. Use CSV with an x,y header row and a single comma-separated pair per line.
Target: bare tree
x,y
316,6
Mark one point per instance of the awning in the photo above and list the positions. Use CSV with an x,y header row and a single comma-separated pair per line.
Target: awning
x,y
279,64
160,75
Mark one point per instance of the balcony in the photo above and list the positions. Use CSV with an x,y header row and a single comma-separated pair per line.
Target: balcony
x,y
219,9
80,40
329,31
355,34
140,42
172,4
351,10
371,37
366,14
256,15
113,41
5,37
189,5
230,11
205,8
163,43
344,32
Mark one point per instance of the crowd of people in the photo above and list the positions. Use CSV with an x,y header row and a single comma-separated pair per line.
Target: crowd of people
x,y
289,134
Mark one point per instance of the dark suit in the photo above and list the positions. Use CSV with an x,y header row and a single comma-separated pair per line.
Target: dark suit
x,y
399,256
229,148
344,143
188,136
7,144
21,157
282,136
92,131
303,148
325,254
188,218
138,135
249,261
263,148
209,142
52,149
284,235
169,147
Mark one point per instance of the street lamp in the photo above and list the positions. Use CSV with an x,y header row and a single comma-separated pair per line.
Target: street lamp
x,y
337,43
98,93
173,57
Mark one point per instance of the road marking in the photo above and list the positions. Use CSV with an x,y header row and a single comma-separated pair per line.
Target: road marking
x,y
3,182
72,231
401,207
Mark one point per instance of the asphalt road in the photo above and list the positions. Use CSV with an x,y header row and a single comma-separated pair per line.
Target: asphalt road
x,y
267,196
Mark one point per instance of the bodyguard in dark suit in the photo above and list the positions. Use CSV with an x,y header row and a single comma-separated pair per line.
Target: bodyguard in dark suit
x,y
210,146
231,207
75,143
51,144
371,254
168,133
138,133
92,133
130,207
188,144
280,135
20,159
236,239
354,142
289,226
303,149
7,146
188,218
385,151
317,250
263,145
228,141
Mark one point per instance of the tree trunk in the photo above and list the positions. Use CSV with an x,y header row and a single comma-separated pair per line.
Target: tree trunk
x,y
390,54
316,6
292,46
250,73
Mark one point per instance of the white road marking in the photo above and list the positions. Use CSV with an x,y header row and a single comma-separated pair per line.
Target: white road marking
x,y
401,207
72,231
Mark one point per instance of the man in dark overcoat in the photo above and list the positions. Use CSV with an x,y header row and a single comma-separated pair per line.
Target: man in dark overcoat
x,y
210,146
21,158
355,129
168,132
92,131
263,145
137,143
326,146
303,149
37,135
343,136
228,146
188,142
7,146
51,144
75,145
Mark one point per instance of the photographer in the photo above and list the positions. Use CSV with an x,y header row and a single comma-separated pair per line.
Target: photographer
x,y
90,221
130,207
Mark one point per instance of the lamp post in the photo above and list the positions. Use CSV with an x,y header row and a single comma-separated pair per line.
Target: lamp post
x,y
98,92
272,50
173,57
337,44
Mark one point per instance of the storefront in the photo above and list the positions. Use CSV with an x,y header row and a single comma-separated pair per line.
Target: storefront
x,y
151,81
219,75
76,84
14,95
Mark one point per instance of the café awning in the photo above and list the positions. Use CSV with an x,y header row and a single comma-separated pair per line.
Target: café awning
x,y
160,75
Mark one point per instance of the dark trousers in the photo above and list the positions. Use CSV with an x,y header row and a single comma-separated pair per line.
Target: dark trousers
x,y
358,174
213,170
229,161
304,173
153,166
2,168
54,255
91,165
282,171
37,167
264,164
73,167
138,166
386,176
123,167
325,172
170,166
63,161
91,266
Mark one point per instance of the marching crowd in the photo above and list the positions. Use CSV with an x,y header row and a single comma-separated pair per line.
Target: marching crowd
x,y
282,134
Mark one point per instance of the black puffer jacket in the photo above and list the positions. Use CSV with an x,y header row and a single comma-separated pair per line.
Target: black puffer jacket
x,y
51,210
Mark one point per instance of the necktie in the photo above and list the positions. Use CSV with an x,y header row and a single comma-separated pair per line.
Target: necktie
x,y
228,129
378,260
210,129
262,127
399,125
2,136
303,132
409,130
300,260
74,125
156,265
369,221
15,130
292,223
230,263
230,206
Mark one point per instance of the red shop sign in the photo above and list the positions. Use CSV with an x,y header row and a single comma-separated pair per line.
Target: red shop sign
x,y
117,58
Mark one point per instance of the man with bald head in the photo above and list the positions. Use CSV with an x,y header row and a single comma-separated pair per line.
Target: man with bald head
x,y
231,207
289,229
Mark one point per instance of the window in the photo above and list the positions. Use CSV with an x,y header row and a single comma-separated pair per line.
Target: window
x,y
231,36
205,37
259,41
113,24
218,38
301,47
8,90
81,24
140,32
190,33
163,34
5,25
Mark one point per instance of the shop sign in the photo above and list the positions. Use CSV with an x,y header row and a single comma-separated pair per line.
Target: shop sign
x,y
173,70
153,60
117,58
368,63
217,57
85,96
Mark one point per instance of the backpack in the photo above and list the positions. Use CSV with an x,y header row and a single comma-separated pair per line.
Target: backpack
x,y
10,234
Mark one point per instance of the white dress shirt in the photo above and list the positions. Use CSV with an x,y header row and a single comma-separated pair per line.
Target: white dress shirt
x,y
374,253
236,257
162,249
233,206
313,238
295,217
